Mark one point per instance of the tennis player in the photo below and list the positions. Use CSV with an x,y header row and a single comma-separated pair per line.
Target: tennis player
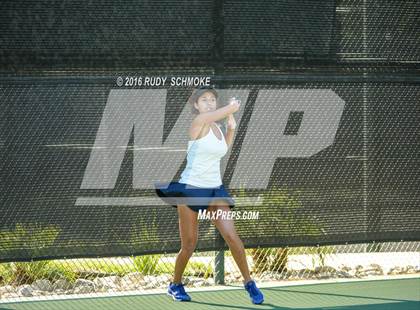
x,y
201,188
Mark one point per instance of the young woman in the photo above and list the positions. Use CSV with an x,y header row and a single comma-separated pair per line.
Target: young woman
x,y
201,188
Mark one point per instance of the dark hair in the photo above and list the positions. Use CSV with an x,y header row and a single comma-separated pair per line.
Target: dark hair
x,y
197,94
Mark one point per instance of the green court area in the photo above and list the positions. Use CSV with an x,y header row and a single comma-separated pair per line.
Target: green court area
x,y
401,294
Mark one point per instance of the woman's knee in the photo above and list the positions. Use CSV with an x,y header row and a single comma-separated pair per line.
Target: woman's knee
x,y
231,237
228,231
189,245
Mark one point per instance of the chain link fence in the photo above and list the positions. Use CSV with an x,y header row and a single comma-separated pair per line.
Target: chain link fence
x,y
146,273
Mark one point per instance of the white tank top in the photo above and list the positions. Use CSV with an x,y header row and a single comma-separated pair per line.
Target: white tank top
x,y
203,160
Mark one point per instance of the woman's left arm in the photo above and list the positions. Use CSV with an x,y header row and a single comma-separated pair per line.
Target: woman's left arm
x,y
230,133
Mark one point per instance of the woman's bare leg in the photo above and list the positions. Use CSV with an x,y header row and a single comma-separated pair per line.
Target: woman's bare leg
x,y
227,230
188,231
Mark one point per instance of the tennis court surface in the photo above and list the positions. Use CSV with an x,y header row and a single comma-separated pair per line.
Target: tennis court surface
x,y
393,294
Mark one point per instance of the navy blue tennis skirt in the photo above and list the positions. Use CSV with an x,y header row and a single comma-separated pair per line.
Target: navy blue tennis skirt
x,y
196,198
